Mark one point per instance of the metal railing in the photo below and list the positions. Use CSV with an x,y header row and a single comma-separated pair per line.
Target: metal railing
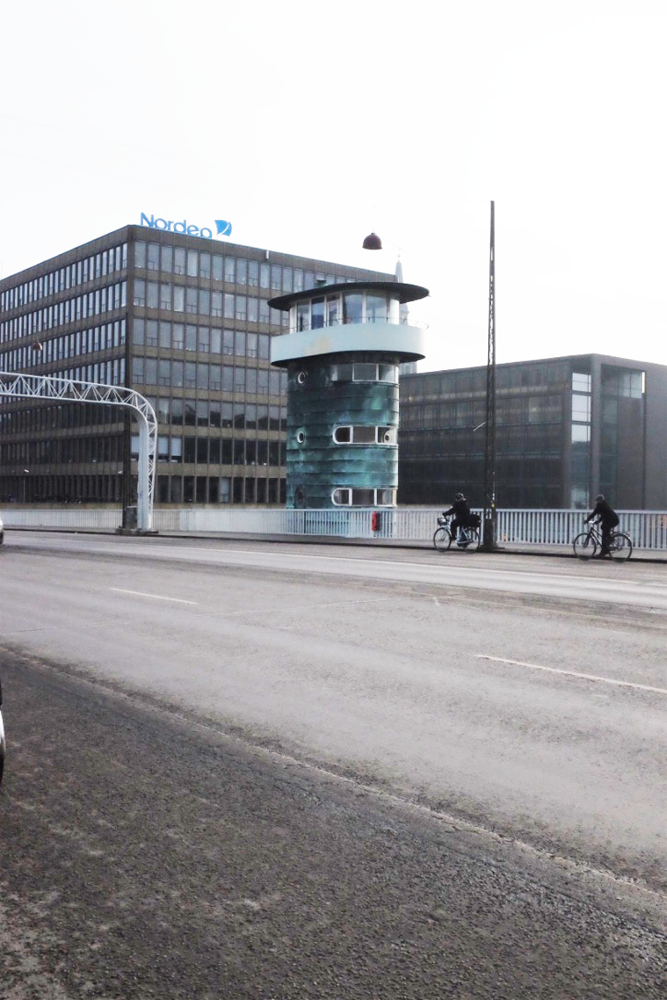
x,y
648,529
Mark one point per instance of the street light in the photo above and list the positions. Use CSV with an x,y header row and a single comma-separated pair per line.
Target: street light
x,y
372,242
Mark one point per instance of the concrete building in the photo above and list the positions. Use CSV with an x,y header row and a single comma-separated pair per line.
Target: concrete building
x,y
185,321
567,429
342,356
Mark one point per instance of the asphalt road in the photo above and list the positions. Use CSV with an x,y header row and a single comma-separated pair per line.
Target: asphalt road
x,y
253,770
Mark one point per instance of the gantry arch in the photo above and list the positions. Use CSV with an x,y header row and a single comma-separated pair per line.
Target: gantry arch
x,y
76,391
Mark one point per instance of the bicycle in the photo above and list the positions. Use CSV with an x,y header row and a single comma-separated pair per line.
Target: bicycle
x,y
468,538
588,542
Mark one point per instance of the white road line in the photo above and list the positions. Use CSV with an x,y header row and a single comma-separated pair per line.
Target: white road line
x,y
574,673
156,597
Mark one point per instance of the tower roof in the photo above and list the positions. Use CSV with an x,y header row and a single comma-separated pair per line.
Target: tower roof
x,y
397,290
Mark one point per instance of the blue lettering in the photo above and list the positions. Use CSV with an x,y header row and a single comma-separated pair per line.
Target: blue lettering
x,y
183,227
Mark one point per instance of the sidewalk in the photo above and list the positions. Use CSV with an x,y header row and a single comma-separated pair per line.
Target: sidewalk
x,y
658,556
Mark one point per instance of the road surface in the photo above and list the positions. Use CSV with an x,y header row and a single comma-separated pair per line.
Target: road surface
x,y
464,756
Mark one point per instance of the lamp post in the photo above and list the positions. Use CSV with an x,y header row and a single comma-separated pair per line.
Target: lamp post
x,y
489,527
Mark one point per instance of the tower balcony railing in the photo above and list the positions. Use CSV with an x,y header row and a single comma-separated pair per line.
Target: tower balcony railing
x,y
306,326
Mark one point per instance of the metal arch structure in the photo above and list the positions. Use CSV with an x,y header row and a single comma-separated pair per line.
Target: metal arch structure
x,y
76,391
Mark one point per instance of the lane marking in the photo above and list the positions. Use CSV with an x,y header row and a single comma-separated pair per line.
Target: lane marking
x,y
574,673
155,597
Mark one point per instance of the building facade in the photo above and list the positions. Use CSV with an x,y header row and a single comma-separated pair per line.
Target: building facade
x,y
342,356
566,429
183,320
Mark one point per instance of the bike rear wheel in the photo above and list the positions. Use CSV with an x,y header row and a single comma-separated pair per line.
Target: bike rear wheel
x,y
442,540
620,546
472,534
584,545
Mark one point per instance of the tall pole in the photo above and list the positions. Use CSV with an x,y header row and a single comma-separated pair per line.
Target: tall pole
x,y
489,538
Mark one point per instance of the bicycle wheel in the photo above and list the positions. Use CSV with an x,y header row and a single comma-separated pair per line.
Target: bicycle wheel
x,y
620,546
584,545
442,540
474,539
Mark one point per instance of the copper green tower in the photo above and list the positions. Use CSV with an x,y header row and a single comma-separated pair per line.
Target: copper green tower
x,y
342,354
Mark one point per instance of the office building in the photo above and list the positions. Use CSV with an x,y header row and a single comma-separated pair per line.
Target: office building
x,y
185,321
566,429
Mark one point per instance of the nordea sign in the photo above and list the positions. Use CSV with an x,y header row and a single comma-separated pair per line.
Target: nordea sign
x,y
222,228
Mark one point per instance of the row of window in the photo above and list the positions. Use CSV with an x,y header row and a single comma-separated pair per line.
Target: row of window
x,y
91,449
213,413
110,372
358,434
452,441
206,339
233,270
102,300
94,449
348,307
472,413
207,377
98,265
443,384
69,345
170,489
347,497
216,450
204,302
52,417
220,489
359,372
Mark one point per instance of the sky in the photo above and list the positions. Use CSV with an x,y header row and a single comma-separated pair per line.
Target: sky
x,y
309,125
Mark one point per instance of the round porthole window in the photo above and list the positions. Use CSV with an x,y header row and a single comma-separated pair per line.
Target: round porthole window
x,y
300,437
301,378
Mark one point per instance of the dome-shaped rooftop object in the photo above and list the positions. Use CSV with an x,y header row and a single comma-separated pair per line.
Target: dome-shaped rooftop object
x,y
372,242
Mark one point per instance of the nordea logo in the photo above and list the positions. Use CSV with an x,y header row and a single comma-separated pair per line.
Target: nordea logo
x,y
222,228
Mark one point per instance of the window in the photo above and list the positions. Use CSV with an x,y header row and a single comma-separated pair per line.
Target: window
x,y
345,497
581,432
153,257
376,308
317,314
139,294
353,307
581,407
360,434
581,382
365,373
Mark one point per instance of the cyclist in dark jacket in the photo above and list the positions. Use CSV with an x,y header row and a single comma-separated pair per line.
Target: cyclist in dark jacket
x,y
608,521
461,511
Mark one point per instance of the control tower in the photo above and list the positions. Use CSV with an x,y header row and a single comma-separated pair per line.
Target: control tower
x,y
342,354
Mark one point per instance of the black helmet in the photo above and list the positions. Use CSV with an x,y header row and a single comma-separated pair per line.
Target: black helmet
x,y
600,496
459,496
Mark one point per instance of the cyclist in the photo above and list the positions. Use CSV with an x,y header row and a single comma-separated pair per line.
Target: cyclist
x,y
461,511
608,521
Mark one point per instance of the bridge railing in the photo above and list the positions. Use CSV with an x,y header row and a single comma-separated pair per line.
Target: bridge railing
x,y
647,528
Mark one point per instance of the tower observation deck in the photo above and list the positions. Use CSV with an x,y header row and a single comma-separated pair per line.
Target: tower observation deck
x,y
342,354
